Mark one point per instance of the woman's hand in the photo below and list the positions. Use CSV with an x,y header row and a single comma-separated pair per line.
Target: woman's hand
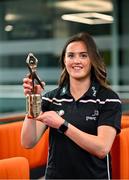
x,y
27,85
51,119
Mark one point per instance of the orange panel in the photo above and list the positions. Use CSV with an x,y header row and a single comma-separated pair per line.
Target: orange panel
x,y
120,155
10,145
14,168
125,121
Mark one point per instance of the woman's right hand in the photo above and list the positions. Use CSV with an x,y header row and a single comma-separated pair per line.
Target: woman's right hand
x,y
27,85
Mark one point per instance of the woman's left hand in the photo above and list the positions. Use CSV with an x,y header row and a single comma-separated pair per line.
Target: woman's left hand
x,y
51,119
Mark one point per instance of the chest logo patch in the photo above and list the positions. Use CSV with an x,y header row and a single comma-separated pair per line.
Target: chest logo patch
x,y
93,116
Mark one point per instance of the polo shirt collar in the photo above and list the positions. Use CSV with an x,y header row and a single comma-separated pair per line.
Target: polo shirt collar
x,y
92,92
65,90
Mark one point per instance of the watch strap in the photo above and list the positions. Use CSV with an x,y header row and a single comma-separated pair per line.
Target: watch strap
x,y
63,128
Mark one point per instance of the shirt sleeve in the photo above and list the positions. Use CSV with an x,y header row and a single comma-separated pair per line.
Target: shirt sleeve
x,y
46,101
110,114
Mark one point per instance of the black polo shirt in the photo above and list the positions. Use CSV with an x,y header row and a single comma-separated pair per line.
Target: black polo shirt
x,y
98,106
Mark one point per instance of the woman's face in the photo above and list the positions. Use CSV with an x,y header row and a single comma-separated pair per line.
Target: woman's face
x,y
77,61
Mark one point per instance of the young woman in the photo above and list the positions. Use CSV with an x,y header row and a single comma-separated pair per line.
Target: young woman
x,y
83,114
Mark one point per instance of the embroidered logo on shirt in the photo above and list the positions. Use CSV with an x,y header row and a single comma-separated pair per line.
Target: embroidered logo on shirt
x,y
96,113
93,116
94,91
64,90
61,112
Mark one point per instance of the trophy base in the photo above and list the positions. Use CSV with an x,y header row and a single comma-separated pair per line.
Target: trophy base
x,y
33,105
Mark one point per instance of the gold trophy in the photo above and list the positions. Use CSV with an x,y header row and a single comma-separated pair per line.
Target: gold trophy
x,y
33,101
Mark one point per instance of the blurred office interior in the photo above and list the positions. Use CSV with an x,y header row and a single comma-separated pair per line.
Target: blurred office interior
x,y
43,26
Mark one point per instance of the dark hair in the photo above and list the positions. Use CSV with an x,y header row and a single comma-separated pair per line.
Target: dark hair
x,y
98,70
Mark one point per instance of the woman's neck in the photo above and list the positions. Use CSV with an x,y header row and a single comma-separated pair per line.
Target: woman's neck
x,y
79,87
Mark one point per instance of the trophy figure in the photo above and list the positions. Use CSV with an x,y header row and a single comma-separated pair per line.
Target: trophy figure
x,y
33,101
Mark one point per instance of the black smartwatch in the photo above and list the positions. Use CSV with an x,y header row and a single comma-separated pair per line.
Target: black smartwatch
x,y
63,128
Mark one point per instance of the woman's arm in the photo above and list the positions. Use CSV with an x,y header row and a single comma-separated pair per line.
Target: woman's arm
x,y
99,145
32,131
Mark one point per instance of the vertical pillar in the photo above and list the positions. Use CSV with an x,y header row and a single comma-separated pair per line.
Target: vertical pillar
x,y
115,45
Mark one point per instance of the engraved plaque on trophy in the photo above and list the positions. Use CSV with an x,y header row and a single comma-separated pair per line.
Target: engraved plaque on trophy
x,y
33,100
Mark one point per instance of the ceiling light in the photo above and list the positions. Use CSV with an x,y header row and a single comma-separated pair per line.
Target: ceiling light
x,y
86,5
8,28
12,17
88,18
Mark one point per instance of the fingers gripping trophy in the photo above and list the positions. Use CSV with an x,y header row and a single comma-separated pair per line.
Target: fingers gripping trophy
x,y
33,100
